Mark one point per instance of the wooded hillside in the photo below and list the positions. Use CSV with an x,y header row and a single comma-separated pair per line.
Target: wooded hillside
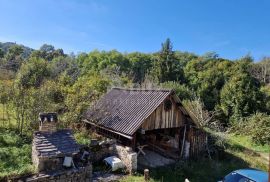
x,y
230,90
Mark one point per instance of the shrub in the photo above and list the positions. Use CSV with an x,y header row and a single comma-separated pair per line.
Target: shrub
x,y
258,127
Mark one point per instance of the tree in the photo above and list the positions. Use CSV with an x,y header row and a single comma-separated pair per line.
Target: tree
x,y
47,48
207,77
27,100
19,104
49,96
184,57
243,65
166,66
82,94
261,70
266,92
200,115
5,98
13,59
48,52
240,97
181,90
64,65
2,53
33,73
140,66
210,56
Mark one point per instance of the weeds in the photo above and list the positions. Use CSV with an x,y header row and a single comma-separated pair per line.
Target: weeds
x,y
15,154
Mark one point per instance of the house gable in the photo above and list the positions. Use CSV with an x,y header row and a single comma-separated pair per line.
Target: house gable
x,y
163,117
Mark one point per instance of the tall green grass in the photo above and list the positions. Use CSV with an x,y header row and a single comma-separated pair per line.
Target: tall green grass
x,y
246,141
15,153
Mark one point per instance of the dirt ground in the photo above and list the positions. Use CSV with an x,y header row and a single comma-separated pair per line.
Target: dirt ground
x,y
153,159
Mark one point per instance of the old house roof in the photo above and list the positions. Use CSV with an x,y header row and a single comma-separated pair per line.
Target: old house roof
x,y
59,143
124,110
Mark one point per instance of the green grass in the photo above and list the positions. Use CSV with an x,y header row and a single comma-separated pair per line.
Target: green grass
x,y
134,178
15,154
255,155
4,121
15,150
246,142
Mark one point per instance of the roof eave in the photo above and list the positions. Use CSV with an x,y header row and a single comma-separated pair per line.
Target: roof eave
x,y
116,132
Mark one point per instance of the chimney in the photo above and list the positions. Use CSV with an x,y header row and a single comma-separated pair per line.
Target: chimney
x,y
48,122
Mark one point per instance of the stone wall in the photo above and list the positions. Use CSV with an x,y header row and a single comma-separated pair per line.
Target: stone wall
x,y
83,174
35,159
46,163
127,155
48,126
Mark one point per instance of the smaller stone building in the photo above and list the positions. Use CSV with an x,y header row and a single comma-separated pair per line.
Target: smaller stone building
x,y
50,149
56,155
51,146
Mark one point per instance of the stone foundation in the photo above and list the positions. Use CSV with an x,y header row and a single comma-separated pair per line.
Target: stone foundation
x,y
127,155
46,163
83,174
49,164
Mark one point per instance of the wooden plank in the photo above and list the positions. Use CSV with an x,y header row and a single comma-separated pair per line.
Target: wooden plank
x,y
157,118
173,117
170,119
153,120
163,117
160,115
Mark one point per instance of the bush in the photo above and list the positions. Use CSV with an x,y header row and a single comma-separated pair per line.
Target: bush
x,y
258,127
82,138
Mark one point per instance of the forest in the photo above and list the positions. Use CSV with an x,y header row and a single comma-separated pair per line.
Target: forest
x,y
224,96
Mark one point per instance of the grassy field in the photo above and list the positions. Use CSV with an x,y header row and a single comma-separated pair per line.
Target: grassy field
x,y
246,142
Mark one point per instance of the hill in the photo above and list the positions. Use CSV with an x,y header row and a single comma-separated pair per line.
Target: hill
x,y
26,50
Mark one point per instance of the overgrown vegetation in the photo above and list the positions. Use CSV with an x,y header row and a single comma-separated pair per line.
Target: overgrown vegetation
x,y
222,95
15,154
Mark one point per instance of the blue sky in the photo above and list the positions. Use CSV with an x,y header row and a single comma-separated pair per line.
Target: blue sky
x,y
232,28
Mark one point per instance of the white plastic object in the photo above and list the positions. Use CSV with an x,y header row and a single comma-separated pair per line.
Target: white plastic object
x,y
114,162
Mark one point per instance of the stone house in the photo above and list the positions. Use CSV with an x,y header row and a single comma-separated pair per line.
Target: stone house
x,y
56,155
